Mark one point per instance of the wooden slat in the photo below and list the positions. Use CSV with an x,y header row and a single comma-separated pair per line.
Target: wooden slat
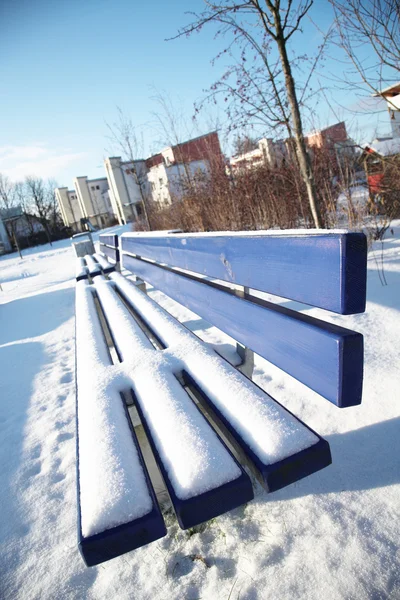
x,y
114,540
327,358
324,270
205,377
109,239
130,342
112,253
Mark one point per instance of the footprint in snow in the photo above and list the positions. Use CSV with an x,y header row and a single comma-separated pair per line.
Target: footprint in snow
x,y
66,378
33,471
36,451
61,399
62,437
57,477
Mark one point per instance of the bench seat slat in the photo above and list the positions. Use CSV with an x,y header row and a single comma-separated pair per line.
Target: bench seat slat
x,y
202,477
109,239
112,253
282,448
82,272
93,265
117,507
326,270
327,358
106,266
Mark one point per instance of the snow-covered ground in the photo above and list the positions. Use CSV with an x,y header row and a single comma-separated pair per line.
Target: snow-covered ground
x,y
333,535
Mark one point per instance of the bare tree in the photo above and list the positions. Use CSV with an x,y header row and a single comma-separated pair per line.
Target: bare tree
x,y
123,134
369,28
9,201
244,143
41,197
260,87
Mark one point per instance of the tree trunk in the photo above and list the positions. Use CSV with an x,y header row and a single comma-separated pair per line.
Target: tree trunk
x,y
302,155
14,235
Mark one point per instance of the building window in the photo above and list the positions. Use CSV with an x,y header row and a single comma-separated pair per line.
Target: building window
x,y
97,187
92,187
161,181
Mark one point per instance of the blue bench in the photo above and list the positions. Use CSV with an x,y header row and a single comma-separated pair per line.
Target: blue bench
x,y
109,247
203,418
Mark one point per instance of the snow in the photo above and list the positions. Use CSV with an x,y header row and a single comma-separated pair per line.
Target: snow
x,y
333,535
81,268
102,260
195,459
263,232
113,488
387,147
271,432
92,264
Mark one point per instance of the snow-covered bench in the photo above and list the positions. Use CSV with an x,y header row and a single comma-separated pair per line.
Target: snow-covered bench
x,y
93,265
164,367
109,247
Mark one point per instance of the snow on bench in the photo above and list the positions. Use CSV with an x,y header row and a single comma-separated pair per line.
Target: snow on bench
x,y
109,246
202,477
282,447
165,367
92,265
117,507
82,271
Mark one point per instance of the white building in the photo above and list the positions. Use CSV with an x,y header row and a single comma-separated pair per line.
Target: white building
x,y
127,182
392,97
172,169
69,207
5,245
268,152
90,200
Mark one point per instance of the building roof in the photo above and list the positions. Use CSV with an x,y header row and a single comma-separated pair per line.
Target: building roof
x,y
385,147
392,90
14,212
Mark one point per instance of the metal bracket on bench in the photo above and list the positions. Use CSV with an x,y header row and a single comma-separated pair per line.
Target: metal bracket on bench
x,y
247,355
140,284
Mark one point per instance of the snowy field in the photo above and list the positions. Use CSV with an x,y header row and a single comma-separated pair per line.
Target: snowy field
x,y
333,535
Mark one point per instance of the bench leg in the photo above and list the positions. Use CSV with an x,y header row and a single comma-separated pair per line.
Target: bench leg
x,y
247,356
141,285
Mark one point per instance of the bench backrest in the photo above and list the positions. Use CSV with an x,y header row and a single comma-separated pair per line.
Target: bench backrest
x,y
324,270
109,246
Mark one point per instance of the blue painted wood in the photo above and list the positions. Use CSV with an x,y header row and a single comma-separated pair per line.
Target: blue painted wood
x,y
281,473
94,270
83,275
112,253
210,504
118,540
109,239
323,270
327,358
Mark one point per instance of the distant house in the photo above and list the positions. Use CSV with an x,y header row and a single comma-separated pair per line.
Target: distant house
x,y
5,245
23,224
275,152
381,158
392,96
172,169
119,196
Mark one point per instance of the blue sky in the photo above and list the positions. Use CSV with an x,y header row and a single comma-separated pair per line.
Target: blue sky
x,y
66,66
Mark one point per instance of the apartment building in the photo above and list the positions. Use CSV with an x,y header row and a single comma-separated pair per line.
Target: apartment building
x,y
69,207
274,152
120,195
90,200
